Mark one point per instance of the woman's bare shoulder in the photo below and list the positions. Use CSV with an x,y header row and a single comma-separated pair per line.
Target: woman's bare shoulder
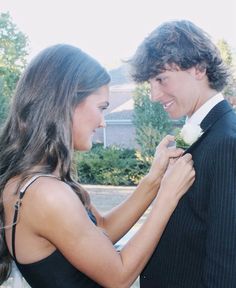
x,y
50,191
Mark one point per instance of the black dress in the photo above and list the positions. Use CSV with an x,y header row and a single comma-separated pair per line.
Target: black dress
x,y
54,271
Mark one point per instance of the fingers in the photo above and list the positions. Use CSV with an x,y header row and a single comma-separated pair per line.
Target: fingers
x,y
165,145
164,154
187,157
186,173
172,161
166,141
178,178
175,152
185,163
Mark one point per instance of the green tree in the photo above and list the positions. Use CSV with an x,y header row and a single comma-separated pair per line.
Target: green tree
x,y
13,52
150,120
227,56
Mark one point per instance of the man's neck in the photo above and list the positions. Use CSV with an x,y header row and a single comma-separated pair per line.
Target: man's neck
x,y
204,109
204,97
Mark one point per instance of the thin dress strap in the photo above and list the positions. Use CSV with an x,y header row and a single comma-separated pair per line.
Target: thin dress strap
x,y
17,207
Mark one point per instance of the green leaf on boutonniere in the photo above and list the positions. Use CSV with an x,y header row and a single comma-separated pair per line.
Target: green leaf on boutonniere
x,y
186,136
180,143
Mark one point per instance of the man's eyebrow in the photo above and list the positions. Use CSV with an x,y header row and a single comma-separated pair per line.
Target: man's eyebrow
x,y
105,103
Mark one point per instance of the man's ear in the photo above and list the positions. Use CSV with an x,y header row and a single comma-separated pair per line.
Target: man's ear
x,y
200,71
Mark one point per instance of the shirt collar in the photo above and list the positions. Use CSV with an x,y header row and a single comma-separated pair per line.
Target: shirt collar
x,y
201,113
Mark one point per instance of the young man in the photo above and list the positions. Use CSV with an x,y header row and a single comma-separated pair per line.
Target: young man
x,y
186,75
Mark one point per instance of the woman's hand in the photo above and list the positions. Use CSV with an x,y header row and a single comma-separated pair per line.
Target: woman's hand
x,y
162,157
178,178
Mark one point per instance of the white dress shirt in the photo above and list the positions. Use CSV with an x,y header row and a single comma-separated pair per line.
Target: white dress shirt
x,y
201,113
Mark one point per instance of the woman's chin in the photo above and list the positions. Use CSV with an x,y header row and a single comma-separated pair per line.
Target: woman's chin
x,y
84,147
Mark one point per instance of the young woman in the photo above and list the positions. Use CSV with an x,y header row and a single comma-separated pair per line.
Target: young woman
x,y
50,228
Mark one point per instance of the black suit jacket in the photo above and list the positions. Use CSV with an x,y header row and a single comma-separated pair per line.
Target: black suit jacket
x,y
198,246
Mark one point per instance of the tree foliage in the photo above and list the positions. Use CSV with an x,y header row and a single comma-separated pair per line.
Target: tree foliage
x,y
227,55
13,52
150,120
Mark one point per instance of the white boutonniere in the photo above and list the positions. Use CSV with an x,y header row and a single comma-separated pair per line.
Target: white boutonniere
x,y
188,135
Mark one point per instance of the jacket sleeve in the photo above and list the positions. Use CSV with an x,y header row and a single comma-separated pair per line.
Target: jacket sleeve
x,y
220,260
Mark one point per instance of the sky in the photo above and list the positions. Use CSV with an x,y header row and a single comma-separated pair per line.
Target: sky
x,y
111,30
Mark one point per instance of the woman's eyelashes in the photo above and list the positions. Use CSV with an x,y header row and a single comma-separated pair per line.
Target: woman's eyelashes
x,y
104,106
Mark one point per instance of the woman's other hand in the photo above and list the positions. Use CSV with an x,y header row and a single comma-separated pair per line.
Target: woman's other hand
x,y
178,178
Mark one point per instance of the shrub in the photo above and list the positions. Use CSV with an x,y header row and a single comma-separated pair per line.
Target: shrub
x,y
110,166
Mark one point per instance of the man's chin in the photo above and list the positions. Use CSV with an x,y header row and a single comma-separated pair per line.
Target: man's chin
x,y
175,116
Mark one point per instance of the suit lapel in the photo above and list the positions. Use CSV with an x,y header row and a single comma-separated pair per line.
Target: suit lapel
x,y
215,114
196,143
211,118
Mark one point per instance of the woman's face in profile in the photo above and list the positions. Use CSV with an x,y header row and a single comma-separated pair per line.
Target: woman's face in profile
x,y
88,116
